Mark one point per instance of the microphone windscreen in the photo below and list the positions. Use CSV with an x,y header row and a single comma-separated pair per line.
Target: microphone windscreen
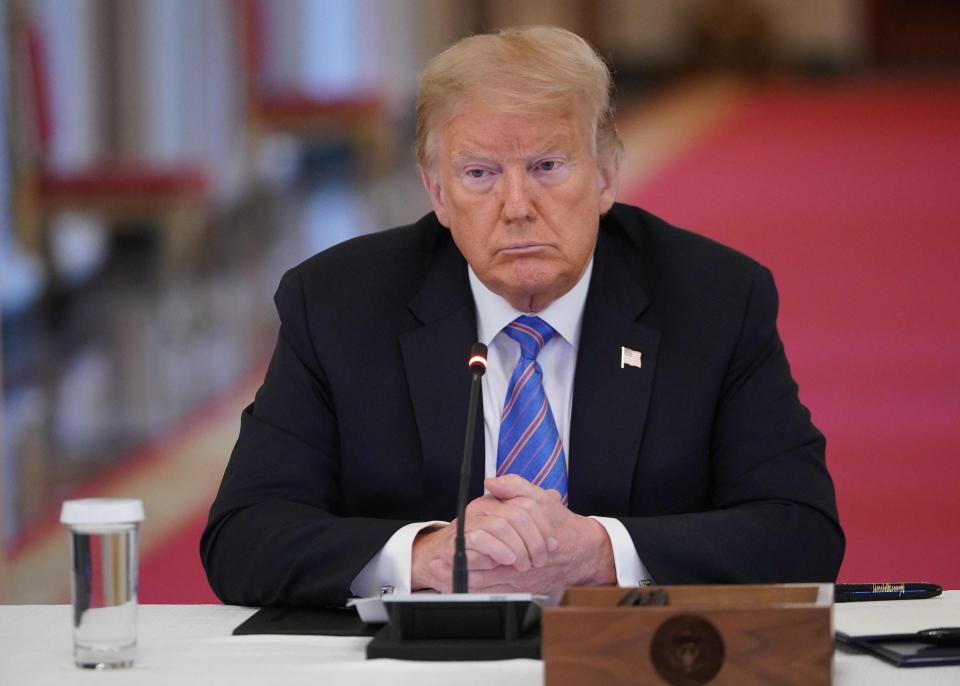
x,y
478,357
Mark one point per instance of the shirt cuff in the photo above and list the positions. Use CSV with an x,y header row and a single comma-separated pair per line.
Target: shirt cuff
x,y
630,569
392,565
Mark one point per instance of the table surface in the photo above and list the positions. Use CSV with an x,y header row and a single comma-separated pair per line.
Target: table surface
x,y
192,644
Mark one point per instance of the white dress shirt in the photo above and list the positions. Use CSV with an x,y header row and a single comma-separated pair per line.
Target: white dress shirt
x,y
392,565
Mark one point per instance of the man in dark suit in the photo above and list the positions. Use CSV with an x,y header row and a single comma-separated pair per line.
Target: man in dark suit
x,y
640,420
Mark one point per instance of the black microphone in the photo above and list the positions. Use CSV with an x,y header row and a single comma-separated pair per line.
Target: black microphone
x,y
478,365
460,625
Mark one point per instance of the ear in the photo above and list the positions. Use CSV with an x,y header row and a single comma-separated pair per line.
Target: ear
x,y
609,179
431,183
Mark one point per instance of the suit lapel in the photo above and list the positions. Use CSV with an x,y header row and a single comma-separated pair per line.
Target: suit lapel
x,y
609,402
435,360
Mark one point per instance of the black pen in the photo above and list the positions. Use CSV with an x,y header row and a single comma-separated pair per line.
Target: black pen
x,y
848,593
941,636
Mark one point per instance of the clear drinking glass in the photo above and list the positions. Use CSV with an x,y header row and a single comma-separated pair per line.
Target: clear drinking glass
x,y
103,551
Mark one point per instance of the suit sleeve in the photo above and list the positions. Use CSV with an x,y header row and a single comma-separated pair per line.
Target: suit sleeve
x,y
274,535
772,514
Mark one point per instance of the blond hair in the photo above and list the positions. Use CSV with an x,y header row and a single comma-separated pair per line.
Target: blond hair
x,y
527,70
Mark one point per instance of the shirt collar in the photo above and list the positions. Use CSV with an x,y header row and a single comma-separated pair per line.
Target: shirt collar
x,y
565,314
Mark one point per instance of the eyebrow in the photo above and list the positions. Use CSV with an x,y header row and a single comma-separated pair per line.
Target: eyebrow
x,y
560,143
466,154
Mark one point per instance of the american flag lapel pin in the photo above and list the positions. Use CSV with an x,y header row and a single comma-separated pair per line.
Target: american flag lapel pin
x,y
630,357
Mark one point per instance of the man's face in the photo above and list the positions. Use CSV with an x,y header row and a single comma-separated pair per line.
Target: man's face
x,y
522,196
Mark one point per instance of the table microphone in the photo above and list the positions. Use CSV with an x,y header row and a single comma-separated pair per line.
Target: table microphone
x,y
478,365
460,625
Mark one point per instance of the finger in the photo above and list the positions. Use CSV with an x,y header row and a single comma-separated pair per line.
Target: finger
x,y
503,588
480,562
502,525
492,544
505,580
485,504
531,523
520,522
441,569
483,513
541,538
552,499
510,486
493,581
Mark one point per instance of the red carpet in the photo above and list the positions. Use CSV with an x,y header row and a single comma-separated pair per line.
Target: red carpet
x,y
851,195
171,572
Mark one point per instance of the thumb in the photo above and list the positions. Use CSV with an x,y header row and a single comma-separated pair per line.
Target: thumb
x,y
509,486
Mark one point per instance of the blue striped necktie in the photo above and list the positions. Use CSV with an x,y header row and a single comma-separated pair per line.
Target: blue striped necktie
x,y
530,444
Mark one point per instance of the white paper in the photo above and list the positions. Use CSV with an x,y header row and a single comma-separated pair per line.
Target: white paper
x,y
882,617
371,610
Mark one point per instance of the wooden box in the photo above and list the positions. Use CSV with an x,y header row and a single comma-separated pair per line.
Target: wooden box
x,y
750,634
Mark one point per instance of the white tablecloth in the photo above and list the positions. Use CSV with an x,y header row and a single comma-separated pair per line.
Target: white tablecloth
x,y
191,644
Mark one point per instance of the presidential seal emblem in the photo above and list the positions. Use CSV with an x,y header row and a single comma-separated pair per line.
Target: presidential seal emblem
x,y
687,650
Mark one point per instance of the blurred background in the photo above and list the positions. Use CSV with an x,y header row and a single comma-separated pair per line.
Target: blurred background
x,y
163,162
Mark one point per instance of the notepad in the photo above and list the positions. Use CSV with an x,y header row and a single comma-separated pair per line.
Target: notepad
x,y
305,621
886,629
883,617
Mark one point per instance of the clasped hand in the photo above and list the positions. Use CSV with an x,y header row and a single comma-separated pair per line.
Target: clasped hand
x,y
519,538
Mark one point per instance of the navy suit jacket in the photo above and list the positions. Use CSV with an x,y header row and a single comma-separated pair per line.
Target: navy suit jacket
x,y
704,452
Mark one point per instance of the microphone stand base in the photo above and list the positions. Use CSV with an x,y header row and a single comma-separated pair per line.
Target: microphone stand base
x,y
459,626
455,649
